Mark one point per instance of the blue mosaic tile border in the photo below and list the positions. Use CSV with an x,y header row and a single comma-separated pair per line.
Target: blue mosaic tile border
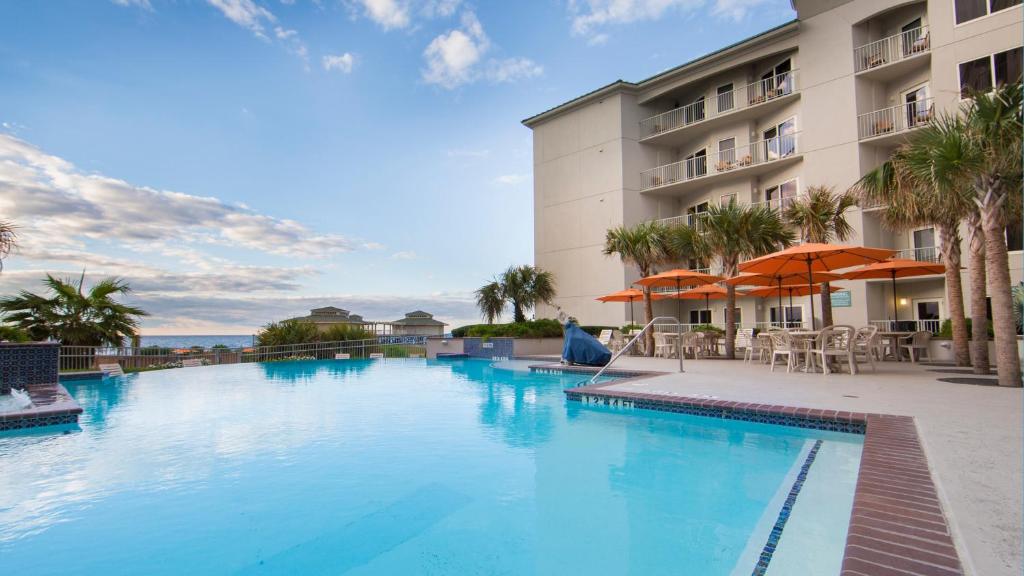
x,y
38,421
542,369
787,509
724,413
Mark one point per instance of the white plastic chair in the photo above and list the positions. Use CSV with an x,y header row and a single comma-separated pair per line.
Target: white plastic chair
x,y
782,345
376,355
834,342
191,363
342,356
866,344
916,341
605,338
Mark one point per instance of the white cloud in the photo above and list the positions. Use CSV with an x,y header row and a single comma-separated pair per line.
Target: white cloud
x,y
52,199
512,69
455,58
735,10
589,17
511,179
440,8
341,62
388,14
144,4
404,255
245,13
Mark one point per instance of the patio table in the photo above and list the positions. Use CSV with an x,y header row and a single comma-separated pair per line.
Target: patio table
x,y
893,339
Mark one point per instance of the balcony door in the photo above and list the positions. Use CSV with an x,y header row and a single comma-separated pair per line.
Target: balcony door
x,y
780,140
724,94
695,215
694,112
700,316
781,196
794,316
925,246
928,313
777,81
910,35
697,164
915,102
726,154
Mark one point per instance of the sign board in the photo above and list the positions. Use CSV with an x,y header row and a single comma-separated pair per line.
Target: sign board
x,y
841,299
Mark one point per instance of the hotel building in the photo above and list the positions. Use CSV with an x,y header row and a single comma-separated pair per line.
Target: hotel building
x,y
820,100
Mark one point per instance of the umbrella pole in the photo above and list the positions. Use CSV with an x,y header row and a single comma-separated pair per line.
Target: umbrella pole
x,y
790,299
631,299
782,313
707,306
895,310
810,290
679,303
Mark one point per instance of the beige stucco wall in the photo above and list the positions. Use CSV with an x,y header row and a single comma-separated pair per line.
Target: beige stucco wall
x,y
443,346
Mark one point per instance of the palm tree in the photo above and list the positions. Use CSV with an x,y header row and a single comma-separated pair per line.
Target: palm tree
x,y
644,246
522,286
731,233
820,216
74,316
917,187
993,164
8,240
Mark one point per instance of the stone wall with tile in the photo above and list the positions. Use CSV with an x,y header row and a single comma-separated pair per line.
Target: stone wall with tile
x,y
492,347
29,363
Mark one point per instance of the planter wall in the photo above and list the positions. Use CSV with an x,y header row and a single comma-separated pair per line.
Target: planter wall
x,y
493,347
24,364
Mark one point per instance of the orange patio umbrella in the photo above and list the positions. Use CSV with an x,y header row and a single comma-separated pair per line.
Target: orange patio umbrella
x,y
707,292
791,290
627,295
780,280
678,278
811,257
895,269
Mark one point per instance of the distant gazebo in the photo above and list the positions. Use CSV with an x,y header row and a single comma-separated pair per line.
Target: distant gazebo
x,y
329,316
418,323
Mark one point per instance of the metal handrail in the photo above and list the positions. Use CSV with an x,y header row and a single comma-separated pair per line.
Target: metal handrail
x,y
679,346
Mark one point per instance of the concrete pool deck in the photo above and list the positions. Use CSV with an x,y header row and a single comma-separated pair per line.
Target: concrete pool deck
x,y
972,435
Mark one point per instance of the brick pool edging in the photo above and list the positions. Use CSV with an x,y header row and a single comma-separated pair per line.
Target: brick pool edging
x,y
897,526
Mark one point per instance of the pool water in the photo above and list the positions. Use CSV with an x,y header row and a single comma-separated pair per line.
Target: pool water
x,y
407,467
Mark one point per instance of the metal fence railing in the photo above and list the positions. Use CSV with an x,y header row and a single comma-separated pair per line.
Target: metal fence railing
x,y
895,119
892,49
83,358
932,326
753,154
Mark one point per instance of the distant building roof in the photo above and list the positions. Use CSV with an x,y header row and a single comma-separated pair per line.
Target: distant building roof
x,y
328,310
331,315
418,318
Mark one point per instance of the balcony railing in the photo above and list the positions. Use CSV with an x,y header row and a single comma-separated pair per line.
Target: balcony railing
x,y
895,119
892,49
692,220
929,254
743,97
907,325
778,204
756,153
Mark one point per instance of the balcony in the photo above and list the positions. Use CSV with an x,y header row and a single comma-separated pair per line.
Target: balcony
x,y
749,160
887,126
928,254
743,103
891,57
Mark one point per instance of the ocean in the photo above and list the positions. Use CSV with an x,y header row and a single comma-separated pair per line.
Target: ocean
x,y
189,341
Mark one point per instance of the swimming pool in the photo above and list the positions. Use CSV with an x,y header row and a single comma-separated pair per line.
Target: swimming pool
x,y
409,467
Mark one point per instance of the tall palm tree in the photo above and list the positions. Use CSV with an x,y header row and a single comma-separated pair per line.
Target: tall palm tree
x,y
821,217
644,246
993,163
73,315
918,187
730,233
8,240
520,286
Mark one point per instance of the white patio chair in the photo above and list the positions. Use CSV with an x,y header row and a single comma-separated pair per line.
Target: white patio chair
x,y
342,356
605,338
376,355
757,349
113,369
782,345
662,347
834,342
744,339
866,343
191,362
917,341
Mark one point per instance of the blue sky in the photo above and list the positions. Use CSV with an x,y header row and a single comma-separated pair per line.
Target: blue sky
x,y
240,161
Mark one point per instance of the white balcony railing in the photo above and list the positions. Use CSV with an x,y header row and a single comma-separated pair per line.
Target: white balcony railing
x,y
778,204
756,153
907,325
693,220
892,49
895,119
743,97
929,254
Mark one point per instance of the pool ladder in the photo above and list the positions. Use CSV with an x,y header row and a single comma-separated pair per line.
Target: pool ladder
x,y
650,325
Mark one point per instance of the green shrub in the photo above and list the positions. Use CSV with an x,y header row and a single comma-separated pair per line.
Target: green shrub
x,y
530,329
13,334
219,347
595,331
345,333
154,351
946,330
287,332
708,328
631,327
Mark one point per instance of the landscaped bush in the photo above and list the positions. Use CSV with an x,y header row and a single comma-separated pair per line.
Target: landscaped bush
x,y
630,328
345,333
946,330
13,334
708,329
528,329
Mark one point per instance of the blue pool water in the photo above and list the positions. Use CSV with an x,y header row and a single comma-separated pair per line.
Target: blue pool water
x,y
406,467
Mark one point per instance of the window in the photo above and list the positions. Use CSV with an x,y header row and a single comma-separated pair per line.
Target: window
x,y
1015,235
780,140
781,195
700,316
737,316
982,74
794,316
726,199
695,216
726,154
916,105
967,10
694,112
697,164
725,101
910,34
777,81
924,245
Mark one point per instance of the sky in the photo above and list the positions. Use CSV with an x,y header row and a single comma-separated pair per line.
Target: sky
x,y
241,161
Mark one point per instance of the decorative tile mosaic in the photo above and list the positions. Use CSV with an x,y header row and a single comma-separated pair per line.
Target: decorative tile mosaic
x,y
478,348
787,509
22,365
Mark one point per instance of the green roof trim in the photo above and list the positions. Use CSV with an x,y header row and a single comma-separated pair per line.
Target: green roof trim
x,y
623,84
